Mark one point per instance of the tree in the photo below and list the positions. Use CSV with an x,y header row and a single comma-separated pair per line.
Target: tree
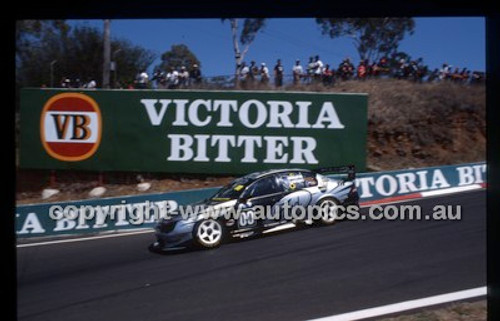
x,y
372,37
77,52
247,35
31,35
28,30
178,56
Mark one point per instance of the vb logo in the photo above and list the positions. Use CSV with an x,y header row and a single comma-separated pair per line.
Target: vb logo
x,y
71,126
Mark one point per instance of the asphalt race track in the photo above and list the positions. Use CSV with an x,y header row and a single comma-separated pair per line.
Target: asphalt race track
x,y
293,275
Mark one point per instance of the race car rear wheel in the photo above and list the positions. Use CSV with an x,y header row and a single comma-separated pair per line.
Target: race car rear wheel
x,y
328,208
208,233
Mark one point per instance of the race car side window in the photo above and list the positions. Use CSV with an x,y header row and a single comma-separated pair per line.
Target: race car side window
x,y
291,181
263,186
310,179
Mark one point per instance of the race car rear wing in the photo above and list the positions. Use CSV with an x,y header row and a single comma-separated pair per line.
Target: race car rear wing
x,y
349,170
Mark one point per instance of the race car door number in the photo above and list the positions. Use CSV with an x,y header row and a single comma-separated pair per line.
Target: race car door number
x,y
246,219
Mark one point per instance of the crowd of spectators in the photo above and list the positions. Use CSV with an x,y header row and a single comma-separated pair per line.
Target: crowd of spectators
x,y
67,82
315,72
172,79
456,75
179,77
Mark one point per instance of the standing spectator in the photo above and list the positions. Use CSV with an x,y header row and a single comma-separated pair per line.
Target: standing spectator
x,y
463,75
297,72
362,70
346,69
456,76
142,80
310,69
403,70
66,82
172,78
91,84
195,74
327,76
163,81
264,74
422,72
476,78
158,76
244,71
278,74
466,76
318,69
433,75
444,72
414,70
341,71
183,77
383,66
252,72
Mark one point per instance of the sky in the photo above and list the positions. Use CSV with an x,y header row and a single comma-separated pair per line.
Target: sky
x,y
459,41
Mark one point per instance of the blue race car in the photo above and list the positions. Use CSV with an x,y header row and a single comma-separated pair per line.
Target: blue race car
x,y
257,203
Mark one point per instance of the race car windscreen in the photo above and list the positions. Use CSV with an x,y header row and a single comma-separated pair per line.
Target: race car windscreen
x,y
231,191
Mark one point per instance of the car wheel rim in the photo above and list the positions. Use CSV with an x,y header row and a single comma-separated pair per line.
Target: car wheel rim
x,y
210,232
328,208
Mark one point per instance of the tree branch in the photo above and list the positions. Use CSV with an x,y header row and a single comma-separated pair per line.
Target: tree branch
x,y
234,30
245,50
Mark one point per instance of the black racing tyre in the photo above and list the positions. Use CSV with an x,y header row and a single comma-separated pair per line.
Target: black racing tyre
x,y
208,233
300,224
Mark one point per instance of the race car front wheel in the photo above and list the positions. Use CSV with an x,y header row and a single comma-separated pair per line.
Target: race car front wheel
x,y
208,233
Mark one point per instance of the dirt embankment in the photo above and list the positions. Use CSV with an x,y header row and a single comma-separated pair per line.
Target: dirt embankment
x,y
409,125
417,125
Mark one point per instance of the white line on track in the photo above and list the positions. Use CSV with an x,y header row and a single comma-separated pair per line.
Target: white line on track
x,y
90,238
406,305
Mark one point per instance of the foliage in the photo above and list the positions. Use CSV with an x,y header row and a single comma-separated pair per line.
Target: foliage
x,y
77,52
250,29
372,37
176,57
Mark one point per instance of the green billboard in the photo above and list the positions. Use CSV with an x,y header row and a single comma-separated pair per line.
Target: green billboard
x,y
183,131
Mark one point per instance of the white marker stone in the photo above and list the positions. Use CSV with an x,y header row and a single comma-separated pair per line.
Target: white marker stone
x,y
49,192
97,191
142,187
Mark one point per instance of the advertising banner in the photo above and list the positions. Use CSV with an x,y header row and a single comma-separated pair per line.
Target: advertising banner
x,y
184,131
